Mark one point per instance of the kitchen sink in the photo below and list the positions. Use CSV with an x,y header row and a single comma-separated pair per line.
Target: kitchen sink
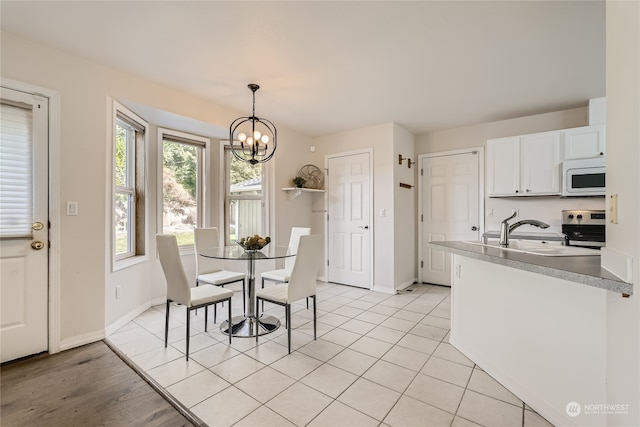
x,y
539,248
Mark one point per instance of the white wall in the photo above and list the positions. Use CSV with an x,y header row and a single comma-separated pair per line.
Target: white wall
x,y
623,178
546,209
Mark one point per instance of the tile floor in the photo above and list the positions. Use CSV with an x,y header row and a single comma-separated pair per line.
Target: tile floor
x,y
379,360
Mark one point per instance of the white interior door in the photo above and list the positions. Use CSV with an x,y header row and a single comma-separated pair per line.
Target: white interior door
x,y
348,227
24,243
450,203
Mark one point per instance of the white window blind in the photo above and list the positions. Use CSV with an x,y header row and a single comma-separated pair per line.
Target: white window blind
x,y
16,174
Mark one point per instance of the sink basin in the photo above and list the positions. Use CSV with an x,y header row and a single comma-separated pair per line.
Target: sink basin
x,y
539,248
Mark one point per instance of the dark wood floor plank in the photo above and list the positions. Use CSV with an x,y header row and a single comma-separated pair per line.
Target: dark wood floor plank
x,y
86,386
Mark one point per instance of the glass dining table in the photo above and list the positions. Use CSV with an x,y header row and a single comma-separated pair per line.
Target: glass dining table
x,y
249,324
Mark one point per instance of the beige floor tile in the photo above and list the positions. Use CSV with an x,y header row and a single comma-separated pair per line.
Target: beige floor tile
x,y
321,349
383,309
213,355
398,324
447,371
157,357
435,392
444,312
263,417
299,403
358,326
428,331
329,380
438,322
483,383
237,368
174,371
418,343
461,422
533,419
265,384
488,411
411,316
333,319
389,375
349,312
341,337
225,408
371,317
410,412
296,365
370,398
352,361
267,352
383,333
362,305
406,358
339,414
370,346
449,352
196,342
197,388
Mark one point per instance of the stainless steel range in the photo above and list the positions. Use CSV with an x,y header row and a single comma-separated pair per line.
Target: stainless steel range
x,y
584,228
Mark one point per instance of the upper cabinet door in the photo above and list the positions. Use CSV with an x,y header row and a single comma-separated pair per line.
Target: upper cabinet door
x,y
503,167
584,142
540,164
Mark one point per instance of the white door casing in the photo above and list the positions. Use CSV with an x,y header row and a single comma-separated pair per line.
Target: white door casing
x,y
451,206
349,219
24,254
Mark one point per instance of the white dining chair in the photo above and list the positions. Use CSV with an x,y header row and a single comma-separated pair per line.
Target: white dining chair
x,y
179,291
302,282
282,275
210,270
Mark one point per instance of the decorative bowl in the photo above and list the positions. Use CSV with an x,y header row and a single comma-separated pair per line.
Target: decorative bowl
x,y
253,243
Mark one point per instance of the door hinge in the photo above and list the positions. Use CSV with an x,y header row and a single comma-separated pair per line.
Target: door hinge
x,y
327,217
327,263
421,264
421,218
422,172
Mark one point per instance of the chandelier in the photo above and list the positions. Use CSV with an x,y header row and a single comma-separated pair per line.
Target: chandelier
x,y
256,138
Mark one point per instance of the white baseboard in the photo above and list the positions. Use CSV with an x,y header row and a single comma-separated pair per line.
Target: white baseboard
x,y
83,339
405,285
115,326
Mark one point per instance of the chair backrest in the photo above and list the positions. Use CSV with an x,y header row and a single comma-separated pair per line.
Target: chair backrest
x,y
305,271
296,232
205,238
177,284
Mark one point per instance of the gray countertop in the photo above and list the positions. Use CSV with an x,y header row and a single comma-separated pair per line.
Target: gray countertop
x,y
580,269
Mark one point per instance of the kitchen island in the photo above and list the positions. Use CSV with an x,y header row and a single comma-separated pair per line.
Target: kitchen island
x,y
536,324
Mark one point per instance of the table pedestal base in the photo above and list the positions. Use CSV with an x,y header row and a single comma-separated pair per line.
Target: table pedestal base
x,y
246,326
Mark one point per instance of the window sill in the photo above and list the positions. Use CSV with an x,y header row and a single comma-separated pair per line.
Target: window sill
x,y
129,262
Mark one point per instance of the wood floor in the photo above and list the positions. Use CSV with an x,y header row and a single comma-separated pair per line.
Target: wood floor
x,y
85,386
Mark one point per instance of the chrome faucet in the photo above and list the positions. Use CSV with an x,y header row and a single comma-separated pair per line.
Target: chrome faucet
x,y
506,229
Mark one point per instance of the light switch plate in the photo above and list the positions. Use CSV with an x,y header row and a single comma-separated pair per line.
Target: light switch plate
x,y
72,208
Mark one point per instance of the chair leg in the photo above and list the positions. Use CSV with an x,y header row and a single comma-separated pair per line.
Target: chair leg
x,y
206,316
263,300
244,304
288,316
314,315
166,324
257,301
230,323
188,329
215,312
307,303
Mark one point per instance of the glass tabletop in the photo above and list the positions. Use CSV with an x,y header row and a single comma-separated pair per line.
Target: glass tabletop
x,y
237,252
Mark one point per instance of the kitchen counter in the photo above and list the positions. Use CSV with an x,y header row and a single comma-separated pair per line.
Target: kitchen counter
x,y
580,269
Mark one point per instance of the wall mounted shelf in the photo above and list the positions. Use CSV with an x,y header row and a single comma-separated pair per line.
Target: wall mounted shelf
x,y
293,192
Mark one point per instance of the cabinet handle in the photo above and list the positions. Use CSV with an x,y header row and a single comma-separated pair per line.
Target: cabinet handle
x,y
528,190
601,153
517,191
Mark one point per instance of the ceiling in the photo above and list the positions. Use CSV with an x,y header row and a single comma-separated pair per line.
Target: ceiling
x,y
326,67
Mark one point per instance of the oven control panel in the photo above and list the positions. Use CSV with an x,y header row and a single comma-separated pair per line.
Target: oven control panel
x,y
593,217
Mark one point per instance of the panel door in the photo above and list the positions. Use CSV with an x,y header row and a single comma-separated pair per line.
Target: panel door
x,y
450,209
349,215
24,243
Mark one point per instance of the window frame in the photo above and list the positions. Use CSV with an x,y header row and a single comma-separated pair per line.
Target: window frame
x,y
225,150
137,188
202,189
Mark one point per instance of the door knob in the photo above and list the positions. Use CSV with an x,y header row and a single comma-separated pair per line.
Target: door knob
x,y
366,227
474,228
37,245
37,226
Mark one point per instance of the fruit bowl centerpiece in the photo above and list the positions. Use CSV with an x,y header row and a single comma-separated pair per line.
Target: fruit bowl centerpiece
x,y
253,243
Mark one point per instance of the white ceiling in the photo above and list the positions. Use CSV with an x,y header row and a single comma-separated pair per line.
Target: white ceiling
x,y
325,67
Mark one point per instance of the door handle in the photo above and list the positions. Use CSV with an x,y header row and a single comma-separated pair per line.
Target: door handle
x,y
366,227
37,226
474,228
37,245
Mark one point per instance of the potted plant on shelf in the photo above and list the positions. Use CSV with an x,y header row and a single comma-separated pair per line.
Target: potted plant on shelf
x,y
299,181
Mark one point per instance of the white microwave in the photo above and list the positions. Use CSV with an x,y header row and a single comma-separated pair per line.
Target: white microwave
x,y
583,177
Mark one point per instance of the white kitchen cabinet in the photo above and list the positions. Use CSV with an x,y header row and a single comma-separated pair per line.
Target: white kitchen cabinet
x,y
584,142
527,165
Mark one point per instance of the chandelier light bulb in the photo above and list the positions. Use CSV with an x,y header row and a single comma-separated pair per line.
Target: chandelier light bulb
x,y
250,141
256,135
242,136
265,138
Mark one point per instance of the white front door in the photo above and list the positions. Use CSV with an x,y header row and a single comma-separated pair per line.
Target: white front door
x,y
24,242
349,227
450,200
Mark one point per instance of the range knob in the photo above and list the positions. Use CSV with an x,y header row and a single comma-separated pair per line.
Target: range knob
x,y
570,216
579,216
